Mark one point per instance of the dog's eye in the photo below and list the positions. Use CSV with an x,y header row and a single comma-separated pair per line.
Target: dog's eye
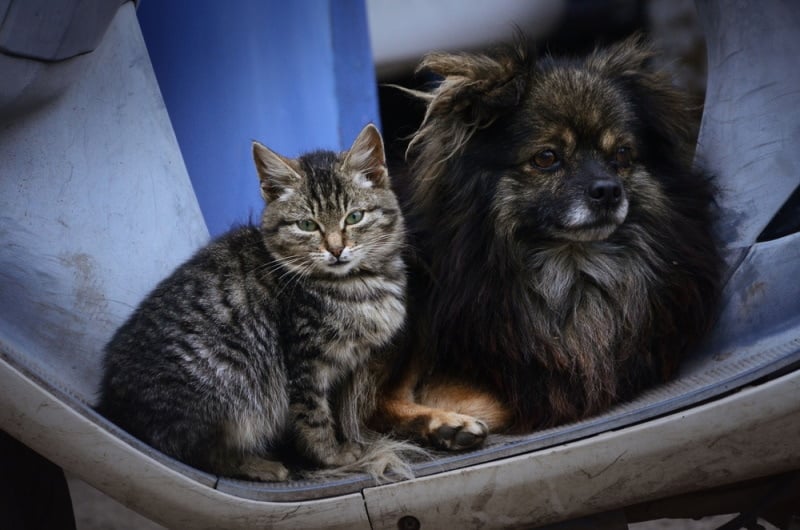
x,y
547,159
623,157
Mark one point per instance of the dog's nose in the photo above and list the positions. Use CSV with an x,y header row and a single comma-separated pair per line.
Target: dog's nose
x,y
605,192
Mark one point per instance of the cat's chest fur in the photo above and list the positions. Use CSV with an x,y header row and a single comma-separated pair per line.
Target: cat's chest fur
x,y
358,315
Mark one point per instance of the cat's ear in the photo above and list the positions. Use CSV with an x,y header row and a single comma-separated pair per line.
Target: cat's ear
x,y
278,175
367,160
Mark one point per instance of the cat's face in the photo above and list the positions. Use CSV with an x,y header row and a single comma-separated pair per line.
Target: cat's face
x,y
330,214
333,230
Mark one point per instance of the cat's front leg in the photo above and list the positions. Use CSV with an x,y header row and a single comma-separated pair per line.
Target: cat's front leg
x,y
315,431
258,468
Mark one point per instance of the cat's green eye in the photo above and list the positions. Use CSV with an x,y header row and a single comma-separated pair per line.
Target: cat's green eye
x,y
354,217
306,225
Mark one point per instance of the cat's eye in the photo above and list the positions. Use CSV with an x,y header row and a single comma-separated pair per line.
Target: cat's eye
x,y
307,225
546,159
623,157
354,217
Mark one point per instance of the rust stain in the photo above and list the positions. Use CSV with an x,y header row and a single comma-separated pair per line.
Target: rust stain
x,y
756,289
480,501
721,356
754,293
86,285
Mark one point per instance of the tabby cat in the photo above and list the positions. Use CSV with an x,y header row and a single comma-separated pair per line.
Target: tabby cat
x,y
263,339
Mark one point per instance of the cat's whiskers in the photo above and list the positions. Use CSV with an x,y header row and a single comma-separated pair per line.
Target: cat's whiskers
x,y
286,263
376,245
295,275
295,272
289,267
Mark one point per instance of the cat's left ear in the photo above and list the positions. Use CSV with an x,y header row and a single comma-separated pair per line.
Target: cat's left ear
x,y
276,173
366,158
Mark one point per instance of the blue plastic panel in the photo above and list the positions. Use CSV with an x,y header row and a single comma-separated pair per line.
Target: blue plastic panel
x,y
294,75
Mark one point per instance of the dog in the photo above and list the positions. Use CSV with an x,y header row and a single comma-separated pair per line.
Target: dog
x,y
566,257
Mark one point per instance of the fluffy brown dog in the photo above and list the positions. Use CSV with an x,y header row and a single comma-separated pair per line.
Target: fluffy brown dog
x,y
568,259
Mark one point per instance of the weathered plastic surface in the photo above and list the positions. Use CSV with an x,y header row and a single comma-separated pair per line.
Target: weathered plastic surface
x,y
96,206
54,30
157,488
751,119
37,37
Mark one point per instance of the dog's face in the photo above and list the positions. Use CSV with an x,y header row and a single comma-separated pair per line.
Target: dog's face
x,y
573,163
572,149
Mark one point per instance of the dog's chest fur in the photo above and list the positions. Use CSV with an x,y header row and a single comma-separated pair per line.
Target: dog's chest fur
x,y
587,301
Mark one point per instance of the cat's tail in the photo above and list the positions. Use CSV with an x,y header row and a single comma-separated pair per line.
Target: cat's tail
x,y
383,458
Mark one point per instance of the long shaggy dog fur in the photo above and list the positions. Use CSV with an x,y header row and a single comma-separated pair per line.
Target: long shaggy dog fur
x,y
568,253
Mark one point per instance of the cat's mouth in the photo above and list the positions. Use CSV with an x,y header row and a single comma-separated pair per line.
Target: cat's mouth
x,y
339,267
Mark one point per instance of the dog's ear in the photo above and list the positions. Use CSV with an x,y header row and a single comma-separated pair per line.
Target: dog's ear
x,y
474,90
628,58
476,87
667,113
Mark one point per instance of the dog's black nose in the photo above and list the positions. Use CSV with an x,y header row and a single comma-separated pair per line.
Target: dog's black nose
x,y
605,192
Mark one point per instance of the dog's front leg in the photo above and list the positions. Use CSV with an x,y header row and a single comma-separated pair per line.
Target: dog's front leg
x,y
445,415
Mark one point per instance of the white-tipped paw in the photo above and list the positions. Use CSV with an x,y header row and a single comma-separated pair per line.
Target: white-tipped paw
x,y
456,432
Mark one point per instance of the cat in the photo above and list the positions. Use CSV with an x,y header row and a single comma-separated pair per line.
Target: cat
x,y
264,338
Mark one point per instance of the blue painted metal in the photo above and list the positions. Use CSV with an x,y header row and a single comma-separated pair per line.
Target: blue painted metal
x,y
296,76
354,72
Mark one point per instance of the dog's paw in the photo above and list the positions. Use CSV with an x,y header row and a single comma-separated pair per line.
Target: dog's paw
x,y
456,432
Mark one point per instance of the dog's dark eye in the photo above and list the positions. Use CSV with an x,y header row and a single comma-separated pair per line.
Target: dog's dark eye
x,y
547,159
623,157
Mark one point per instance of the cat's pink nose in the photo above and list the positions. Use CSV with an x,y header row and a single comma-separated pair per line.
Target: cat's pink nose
x,y
336,251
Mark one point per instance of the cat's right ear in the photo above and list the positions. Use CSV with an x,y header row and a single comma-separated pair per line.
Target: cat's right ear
x,y
278,175
367,158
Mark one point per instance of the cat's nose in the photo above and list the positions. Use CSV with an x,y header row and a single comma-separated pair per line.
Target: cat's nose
x,y
335,243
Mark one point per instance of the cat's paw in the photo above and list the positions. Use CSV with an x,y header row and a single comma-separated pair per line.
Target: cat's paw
x,y
264,470
455,432
347,453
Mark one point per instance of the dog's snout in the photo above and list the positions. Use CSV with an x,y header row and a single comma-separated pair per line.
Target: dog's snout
x,y
605,192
